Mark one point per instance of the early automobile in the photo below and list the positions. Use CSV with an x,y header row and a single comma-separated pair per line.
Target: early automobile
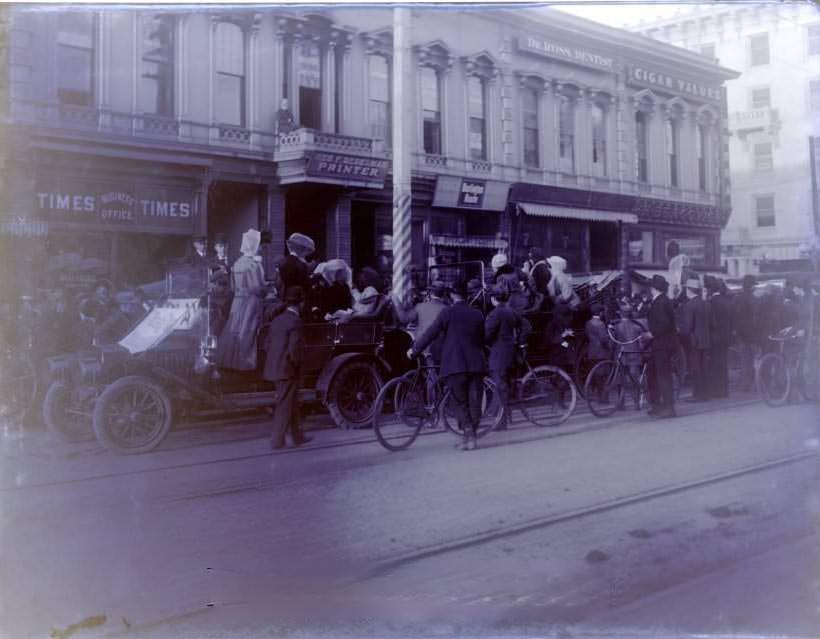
x,y
132,392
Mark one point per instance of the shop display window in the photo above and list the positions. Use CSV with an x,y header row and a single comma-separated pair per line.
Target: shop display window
x,y
640,247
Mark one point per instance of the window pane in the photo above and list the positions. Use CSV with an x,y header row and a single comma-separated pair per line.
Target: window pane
x,y
76,28
230,49
531,147
157,90
308,65
476,139
814,39
379,78
763,160
228,99
764,207
759,49
761,98
432,137
74,69
429,89
475,97
379,120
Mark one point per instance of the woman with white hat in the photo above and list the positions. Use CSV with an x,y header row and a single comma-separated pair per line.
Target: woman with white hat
x,y
294,269
237,343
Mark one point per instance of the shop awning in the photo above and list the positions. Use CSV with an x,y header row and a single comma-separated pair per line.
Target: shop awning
x,y
468,242
546,210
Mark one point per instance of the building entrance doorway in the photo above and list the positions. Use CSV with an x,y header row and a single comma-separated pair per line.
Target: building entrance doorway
x,y
310,108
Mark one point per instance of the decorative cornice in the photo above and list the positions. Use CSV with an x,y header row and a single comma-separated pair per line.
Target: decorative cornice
x,y
435,54
378,42
482,64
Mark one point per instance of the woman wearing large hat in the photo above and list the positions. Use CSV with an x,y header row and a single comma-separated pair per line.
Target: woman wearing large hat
x,y
294,269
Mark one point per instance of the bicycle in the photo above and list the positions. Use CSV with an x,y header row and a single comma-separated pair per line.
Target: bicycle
x,y
778,372
610,380
545,394
419,400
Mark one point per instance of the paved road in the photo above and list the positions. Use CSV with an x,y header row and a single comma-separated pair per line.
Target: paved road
x,y
623,526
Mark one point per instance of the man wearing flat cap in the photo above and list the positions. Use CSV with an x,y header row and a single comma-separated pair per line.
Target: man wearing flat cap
x,y
462,358
283,367
664,336
696,333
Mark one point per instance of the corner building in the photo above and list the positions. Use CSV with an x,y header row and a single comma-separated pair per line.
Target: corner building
x,y
134,129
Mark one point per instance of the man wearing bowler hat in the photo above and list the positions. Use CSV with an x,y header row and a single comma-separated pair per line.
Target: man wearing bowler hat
x,y
721,307
283,366
462,358
664,336
696,332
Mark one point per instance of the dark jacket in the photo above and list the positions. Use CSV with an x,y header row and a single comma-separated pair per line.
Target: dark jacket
x,y
462,348
294,272
696,323
661,319
504,329
721,307
600,346
746,309
285,340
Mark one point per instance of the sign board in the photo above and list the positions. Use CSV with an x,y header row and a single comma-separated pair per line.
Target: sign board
x,y
114,206
351,167
672,83
470,193
565,51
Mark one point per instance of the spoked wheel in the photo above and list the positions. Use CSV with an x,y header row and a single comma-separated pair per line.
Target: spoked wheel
x,y
492,411
132,415
400,413
352,395
547,396
773,379
67,411
605,388
18,384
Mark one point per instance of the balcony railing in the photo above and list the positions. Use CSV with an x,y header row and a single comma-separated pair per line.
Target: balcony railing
x,y
297,142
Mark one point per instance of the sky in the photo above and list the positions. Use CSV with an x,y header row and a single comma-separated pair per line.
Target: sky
x,y
617,13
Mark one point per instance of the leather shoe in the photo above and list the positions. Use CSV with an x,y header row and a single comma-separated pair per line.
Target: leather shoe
x,y
304,439
471,443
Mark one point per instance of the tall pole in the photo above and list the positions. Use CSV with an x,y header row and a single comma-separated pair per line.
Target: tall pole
x,y
402,179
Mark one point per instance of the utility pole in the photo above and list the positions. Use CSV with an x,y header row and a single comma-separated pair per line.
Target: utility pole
x,y
402,177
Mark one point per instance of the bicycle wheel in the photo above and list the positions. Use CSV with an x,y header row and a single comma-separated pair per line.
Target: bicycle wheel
x,y
547,396
773,379
18,384
399,414
604,388
491,411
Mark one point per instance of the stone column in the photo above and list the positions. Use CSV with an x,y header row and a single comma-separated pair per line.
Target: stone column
x,y
329,87
583,133
548,126
612,138
689,146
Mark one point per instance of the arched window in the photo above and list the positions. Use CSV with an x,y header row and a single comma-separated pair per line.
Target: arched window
x,y
566,134
431,109
75,58
598,114
672,150
229,93
529,109
378,73
641,145
157,65
477,110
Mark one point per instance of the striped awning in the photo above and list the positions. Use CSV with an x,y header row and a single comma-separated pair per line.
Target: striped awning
x,y
546,210
468,242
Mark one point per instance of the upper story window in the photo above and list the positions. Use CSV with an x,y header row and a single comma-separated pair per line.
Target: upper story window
x,y
75,58
157,65
759,50
641,143
229,92
672,150
431,109
763,158
477,112
701,144
566,134
814,95
529,109
598,113
378,71
814,39
309,83
761,98
764,210
708,50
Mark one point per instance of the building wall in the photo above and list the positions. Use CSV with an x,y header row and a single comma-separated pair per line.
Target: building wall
x,y
787,126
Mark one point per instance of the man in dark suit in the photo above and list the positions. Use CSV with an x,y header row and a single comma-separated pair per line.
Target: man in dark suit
x,y
462,358
696,332
283,366
721,307
504,330
664,336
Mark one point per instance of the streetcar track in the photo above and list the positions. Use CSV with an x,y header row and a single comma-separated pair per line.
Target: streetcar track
x,y
504,532
589,424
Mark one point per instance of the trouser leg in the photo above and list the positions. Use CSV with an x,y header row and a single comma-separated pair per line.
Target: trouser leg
x,y
662,362
475,392
748,365
285,415
502,384
719,366
459,394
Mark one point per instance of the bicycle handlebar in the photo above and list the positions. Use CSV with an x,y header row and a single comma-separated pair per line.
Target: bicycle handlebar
x,y
611,327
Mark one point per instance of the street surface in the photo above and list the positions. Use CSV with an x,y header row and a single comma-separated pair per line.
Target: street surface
x,y
627,527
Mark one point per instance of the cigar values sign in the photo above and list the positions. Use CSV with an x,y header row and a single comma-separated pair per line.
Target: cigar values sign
x,y
117,207
347,167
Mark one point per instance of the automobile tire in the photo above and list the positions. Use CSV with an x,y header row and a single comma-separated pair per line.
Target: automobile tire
x,y
351,397
63,419
132,415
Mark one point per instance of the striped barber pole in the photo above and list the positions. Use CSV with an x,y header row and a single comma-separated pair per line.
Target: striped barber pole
x,y
402,252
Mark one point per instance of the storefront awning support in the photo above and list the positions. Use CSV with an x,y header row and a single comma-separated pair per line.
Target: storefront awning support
x,y
402,179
